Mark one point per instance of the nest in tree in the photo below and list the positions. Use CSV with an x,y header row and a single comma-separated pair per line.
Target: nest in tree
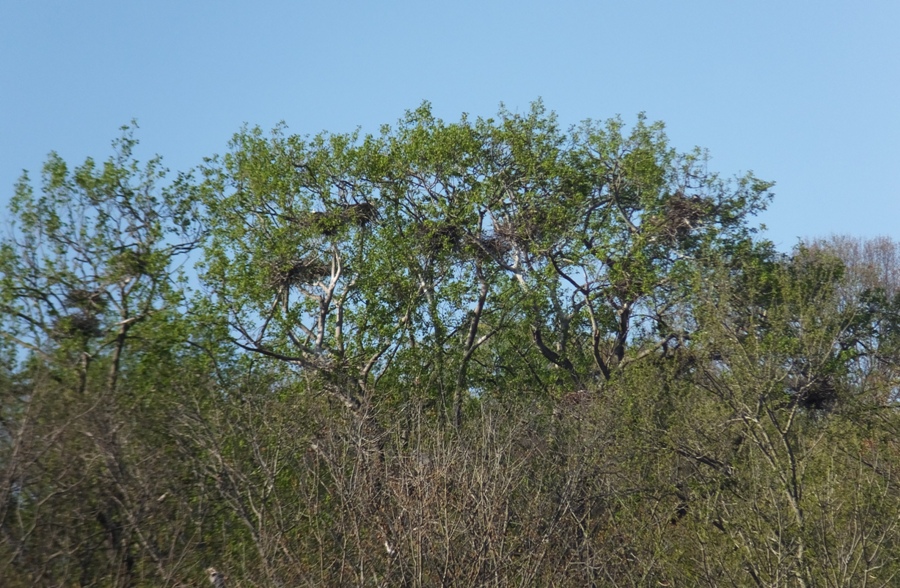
x,y
682,215
817,393
681,359
85,299
494,247
330,223
84,325
131,263
306,270
359,214
574,404
529,226
506,230
327,224
513,234
438,237
624,278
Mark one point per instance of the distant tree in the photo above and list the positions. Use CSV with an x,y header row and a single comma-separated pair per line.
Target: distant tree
x,y
770,435
870,263
869,291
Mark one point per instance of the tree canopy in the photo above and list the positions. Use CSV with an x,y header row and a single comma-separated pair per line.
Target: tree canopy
x,y
486,352
432,246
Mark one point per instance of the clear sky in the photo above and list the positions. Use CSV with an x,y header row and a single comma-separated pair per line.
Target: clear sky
x,y
805,93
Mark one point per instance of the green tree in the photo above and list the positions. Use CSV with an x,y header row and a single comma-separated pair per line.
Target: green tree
x,y
91,298
483,352
441,246
761,438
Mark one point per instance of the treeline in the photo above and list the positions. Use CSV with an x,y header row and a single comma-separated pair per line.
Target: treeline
x,y
483,353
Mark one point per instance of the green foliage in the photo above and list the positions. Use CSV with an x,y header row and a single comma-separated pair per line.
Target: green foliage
x,y
435,242
483,352
91,302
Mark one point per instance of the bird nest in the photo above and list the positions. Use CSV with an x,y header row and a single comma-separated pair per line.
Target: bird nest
x,y
85,299
526,229
131,263
306,270
819,394
331,222
506,231
493,247
683,214
82,325
327,224
359,214
437,237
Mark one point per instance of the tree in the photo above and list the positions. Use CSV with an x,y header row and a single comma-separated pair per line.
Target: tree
x,y
765,436
486,352
90,298
870,298
440,245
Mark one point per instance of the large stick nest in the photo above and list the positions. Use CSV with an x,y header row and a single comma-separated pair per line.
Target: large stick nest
x,y
494,247
683,215
331,222
359,214
85,299
305,270
526,228
131,263
439,237
82,325
814,393
327,224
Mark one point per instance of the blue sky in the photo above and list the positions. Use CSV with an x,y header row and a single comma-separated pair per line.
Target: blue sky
x,y
803,93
